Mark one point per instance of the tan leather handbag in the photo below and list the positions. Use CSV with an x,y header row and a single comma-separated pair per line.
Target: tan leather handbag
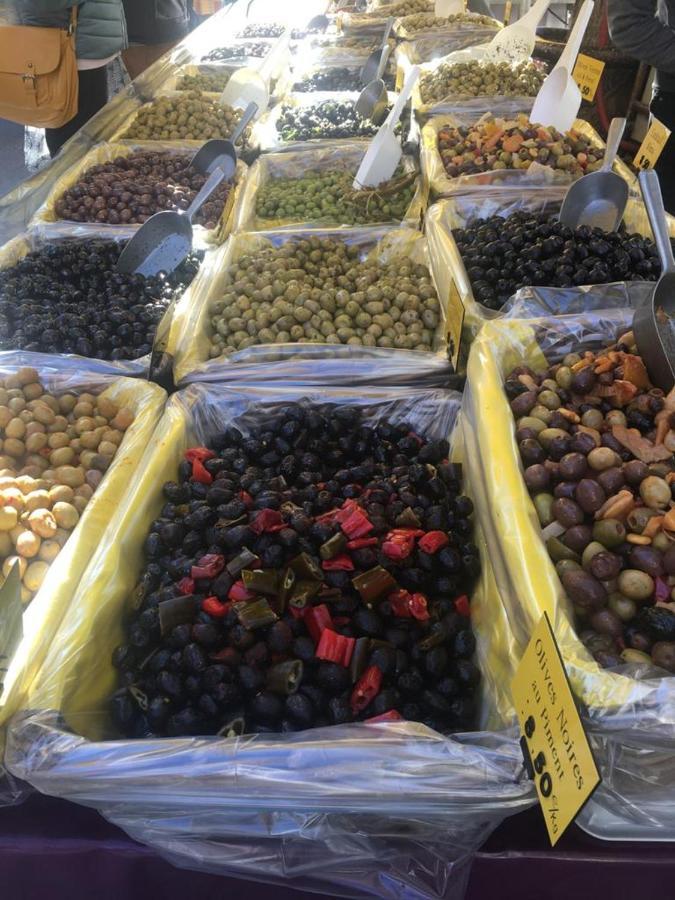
x,y
38,74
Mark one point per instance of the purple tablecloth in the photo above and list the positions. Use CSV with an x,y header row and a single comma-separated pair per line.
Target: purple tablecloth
x,y
51,848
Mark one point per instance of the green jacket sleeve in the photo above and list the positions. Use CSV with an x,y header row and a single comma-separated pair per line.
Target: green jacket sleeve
x,y
635,29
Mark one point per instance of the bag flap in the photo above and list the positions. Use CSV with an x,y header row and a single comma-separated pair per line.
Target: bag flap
x,y
25,50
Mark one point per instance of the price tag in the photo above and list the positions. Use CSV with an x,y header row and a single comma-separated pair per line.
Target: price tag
x,y
587,74
456,313
652,145
554,743
11,619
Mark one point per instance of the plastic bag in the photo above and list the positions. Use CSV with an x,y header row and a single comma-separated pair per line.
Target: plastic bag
x,y
629,713
49,607
46,217
279,86
500,105
353,810
189,341
537,175
326,156
529,302
23,244
455,36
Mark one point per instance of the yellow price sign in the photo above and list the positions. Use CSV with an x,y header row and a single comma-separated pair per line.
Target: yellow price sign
x,y
554,743
587,74
652,145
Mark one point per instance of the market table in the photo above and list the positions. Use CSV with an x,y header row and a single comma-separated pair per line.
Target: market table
x,y
51,847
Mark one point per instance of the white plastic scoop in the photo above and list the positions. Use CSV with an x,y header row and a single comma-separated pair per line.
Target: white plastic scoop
x,y
557,103
515,43
384,151
445,8
599,198
371,66
248,85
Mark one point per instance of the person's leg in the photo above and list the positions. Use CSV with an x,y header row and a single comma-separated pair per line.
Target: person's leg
x,y
93,95
663,107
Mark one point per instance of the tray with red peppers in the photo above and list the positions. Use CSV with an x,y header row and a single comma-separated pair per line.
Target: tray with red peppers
x,y
311,569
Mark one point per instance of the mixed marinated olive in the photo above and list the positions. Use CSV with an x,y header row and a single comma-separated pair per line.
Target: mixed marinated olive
x,y
329,197
308,570
189,116
237,51
55,449
502,255
596,441
67,298
494,144
481,79
318,291
325,119
128,189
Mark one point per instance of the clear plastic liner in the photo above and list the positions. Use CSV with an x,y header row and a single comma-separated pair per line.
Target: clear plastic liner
x,y
456,36
501,105
46,216
265,132
324,156
189,341
529,302
356,810
23,244
629,712
43,616
537,175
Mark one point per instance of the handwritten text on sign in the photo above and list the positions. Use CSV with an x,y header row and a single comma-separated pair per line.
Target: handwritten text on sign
x,y
564,771
587,73
652,145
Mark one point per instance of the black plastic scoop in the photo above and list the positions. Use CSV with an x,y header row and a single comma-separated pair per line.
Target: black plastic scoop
x,y
219,153
653,322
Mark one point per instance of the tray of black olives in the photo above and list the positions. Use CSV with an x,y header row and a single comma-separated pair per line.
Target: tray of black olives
x,y
315,186
510,255
241,52
118,186
63,295
383,299
336,76
304,119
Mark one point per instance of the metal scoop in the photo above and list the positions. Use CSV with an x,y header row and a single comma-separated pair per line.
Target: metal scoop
x,y
558,101
219,153
654,322
599,198
371,66
384,151
516,42
372,101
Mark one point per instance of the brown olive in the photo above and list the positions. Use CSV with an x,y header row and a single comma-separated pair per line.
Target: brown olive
x,y
647,560
584,591
567,512
635,471
663,655
606,622
611,480
589,495
573,466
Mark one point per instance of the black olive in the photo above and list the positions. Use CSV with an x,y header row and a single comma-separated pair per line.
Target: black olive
x,y
300,709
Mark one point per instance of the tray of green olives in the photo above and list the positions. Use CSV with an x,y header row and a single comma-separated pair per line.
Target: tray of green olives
x,y
403,309
314,188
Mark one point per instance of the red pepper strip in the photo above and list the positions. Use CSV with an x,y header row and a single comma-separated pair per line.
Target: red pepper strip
x,y
392,715
267,520
462,606
200,453
361,542
335,647
316,619
208,566
396,550
340,563
186,586
400,604
366,689
433,541
245,498
406,533
200,474
239,592
347,509
215,608
357,525
418,607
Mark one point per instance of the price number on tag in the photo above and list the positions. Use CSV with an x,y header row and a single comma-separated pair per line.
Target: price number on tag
x,y
538,761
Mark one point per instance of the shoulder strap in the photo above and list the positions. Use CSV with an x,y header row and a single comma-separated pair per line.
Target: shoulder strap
x,y
73,19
